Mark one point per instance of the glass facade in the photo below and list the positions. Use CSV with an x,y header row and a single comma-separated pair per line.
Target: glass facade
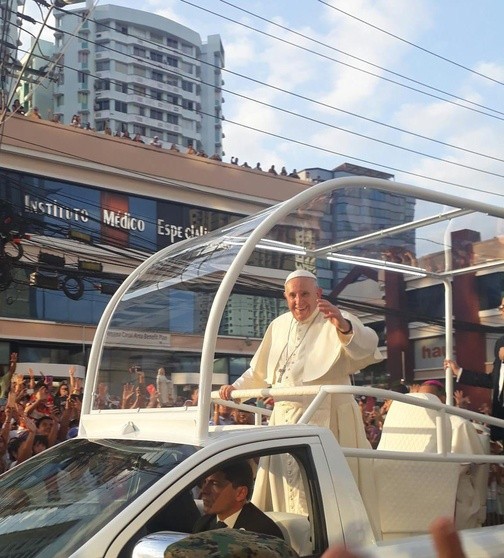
x,y
47,212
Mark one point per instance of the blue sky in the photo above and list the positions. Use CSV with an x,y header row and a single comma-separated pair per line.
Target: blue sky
x,y
343,105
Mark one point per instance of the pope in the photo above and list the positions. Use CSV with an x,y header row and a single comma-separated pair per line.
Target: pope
x,y
315,343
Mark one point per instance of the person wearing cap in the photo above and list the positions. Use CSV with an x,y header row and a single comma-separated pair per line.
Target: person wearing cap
x,y
313,344
155,142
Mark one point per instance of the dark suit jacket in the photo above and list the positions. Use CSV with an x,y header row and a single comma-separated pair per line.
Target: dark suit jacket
x,y
490,381
251,518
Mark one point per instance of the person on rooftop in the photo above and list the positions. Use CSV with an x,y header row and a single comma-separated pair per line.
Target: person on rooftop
x,y
17,107
156,142
34,114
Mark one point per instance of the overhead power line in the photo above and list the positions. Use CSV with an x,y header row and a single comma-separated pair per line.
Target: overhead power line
x,y
155,65
419,47
353,67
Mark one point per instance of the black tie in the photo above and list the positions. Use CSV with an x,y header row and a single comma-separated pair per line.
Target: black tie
x,y
220,525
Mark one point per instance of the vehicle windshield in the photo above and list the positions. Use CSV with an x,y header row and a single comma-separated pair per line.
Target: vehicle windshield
x,y
49,507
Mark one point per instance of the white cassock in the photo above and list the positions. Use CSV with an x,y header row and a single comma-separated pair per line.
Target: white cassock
x,y
305,353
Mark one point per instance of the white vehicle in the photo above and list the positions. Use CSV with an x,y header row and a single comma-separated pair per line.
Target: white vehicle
x,y
124,486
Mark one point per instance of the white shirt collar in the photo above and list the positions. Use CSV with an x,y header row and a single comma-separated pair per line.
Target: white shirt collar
x,y
231,520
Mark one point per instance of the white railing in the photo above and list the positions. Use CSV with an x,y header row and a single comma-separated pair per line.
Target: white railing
x,y
321,392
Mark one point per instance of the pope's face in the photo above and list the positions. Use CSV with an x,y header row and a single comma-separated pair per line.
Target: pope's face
x,y
302,294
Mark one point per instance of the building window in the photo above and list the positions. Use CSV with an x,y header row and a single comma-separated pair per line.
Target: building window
x,y
139,90
156,114
187,49
121,67
120,106
102,85
102,104
157,76
100,125
122,28
141,111
100,47
172,80
101,27
188,68
121,87
156,94
137,129
138,71
188,86
171,42
60,100
121,47
156,56
173,99
102,65
83,57
172,61
172,119
139,33
83,36
155,38
82,78
189,105
137,51
82,98
172,138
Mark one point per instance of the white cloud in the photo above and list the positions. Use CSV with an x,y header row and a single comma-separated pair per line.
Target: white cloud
x,y
492,70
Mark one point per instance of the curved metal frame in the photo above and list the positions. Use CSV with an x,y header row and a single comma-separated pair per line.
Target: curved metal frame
x,y
282,210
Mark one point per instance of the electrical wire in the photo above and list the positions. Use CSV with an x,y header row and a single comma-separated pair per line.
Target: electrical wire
x,y
321,123
288,139
419,47
270,35
297,114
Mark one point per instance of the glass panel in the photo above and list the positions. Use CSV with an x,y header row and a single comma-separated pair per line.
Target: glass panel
x,y
345,236
49,507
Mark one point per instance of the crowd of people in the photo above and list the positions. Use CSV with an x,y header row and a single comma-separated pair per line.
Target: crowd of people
x,y
76,122
314,343
36,413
